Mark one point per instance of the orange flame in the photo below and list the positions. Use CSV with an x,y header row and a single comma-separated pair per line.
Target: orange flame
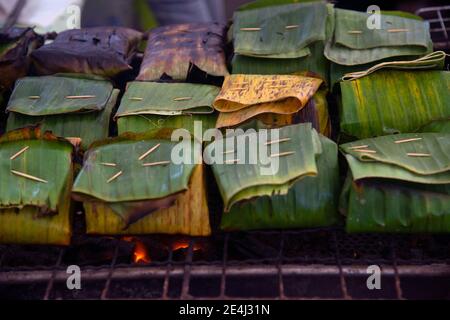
x,y
140,254
184,245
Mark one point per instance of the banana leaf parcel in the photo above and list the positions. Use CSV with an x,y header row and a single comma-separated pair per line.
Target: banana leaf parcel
x,y
71,106
16,44
130,185
297,188
356,47
274,100
35,181
392,101
103,51
282,39
151,106
174,52
398,183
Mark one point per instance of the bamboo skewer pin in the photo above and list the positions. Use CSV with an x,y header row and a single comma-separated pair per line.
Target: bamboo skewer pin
x,y
151,164
231,161
136,99
114,177
19,153
34,97
250,29
293,26
354,32
398,30
276,141
108,164
80,97
407,140
282,154
365,151
228,152
358,147
182,98
414,154
28,176
149,151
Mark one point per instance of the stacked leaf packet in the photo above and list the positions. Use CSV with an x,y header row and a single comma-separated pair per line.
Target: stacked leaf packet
x,y
193,52
398,183
35,182
275,100
69,105
388,39
281,39
152,106
16,44
393,101
293,183
103,51
136,185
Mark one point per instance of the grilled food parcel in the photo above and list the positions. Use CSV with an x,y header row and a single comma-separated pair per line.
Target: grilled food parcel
x,y
193,52
398,183
275,100
69,105
394,40
394,101
131,185
151,107
102,51
35,182
292,183
281,39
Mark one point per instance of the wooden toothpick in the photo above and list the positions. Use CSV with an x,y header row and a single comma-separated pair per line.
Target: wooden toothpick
x,y
114,177
159,163
108,164
365,151
19,153
276,141
414,154
80,97
136,99
282,154
149,151
407,140
250,29
182,98
358,147
28,176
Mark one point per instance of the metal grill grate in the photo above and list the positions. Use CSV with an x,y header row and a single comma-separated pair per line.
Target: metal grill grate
x,y
439,19
257,265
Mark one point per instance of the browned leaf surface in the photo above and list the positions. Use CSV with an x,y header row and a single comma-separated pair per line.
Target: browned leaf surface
x,y
104,51
172,50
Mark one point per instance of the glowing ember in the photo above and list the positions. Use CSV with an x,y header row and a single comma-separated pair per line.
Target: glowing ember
x,y
140,254
184,245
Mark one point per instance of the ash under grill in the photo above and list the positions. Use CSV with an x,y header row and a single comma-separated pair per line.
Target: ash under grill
x,y
259,265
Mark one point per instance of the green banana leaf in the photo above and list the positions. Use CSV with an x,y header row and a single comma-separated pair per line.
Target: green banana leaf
x,y
354,44
393,189
442,126
273,40
103,51
242,179
276,50
133,184
167,99
87,119
121,195
152,124
388,102
310,202
31,211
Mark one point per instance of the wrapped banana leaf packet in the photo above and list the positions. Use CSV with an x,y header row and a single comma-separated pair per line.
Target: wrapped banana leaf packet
x,y
103,51
393,101
192,52
398,183
275,100
16,45
282,39
69,105
35,183
136,185
151,107
362,44
292,183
